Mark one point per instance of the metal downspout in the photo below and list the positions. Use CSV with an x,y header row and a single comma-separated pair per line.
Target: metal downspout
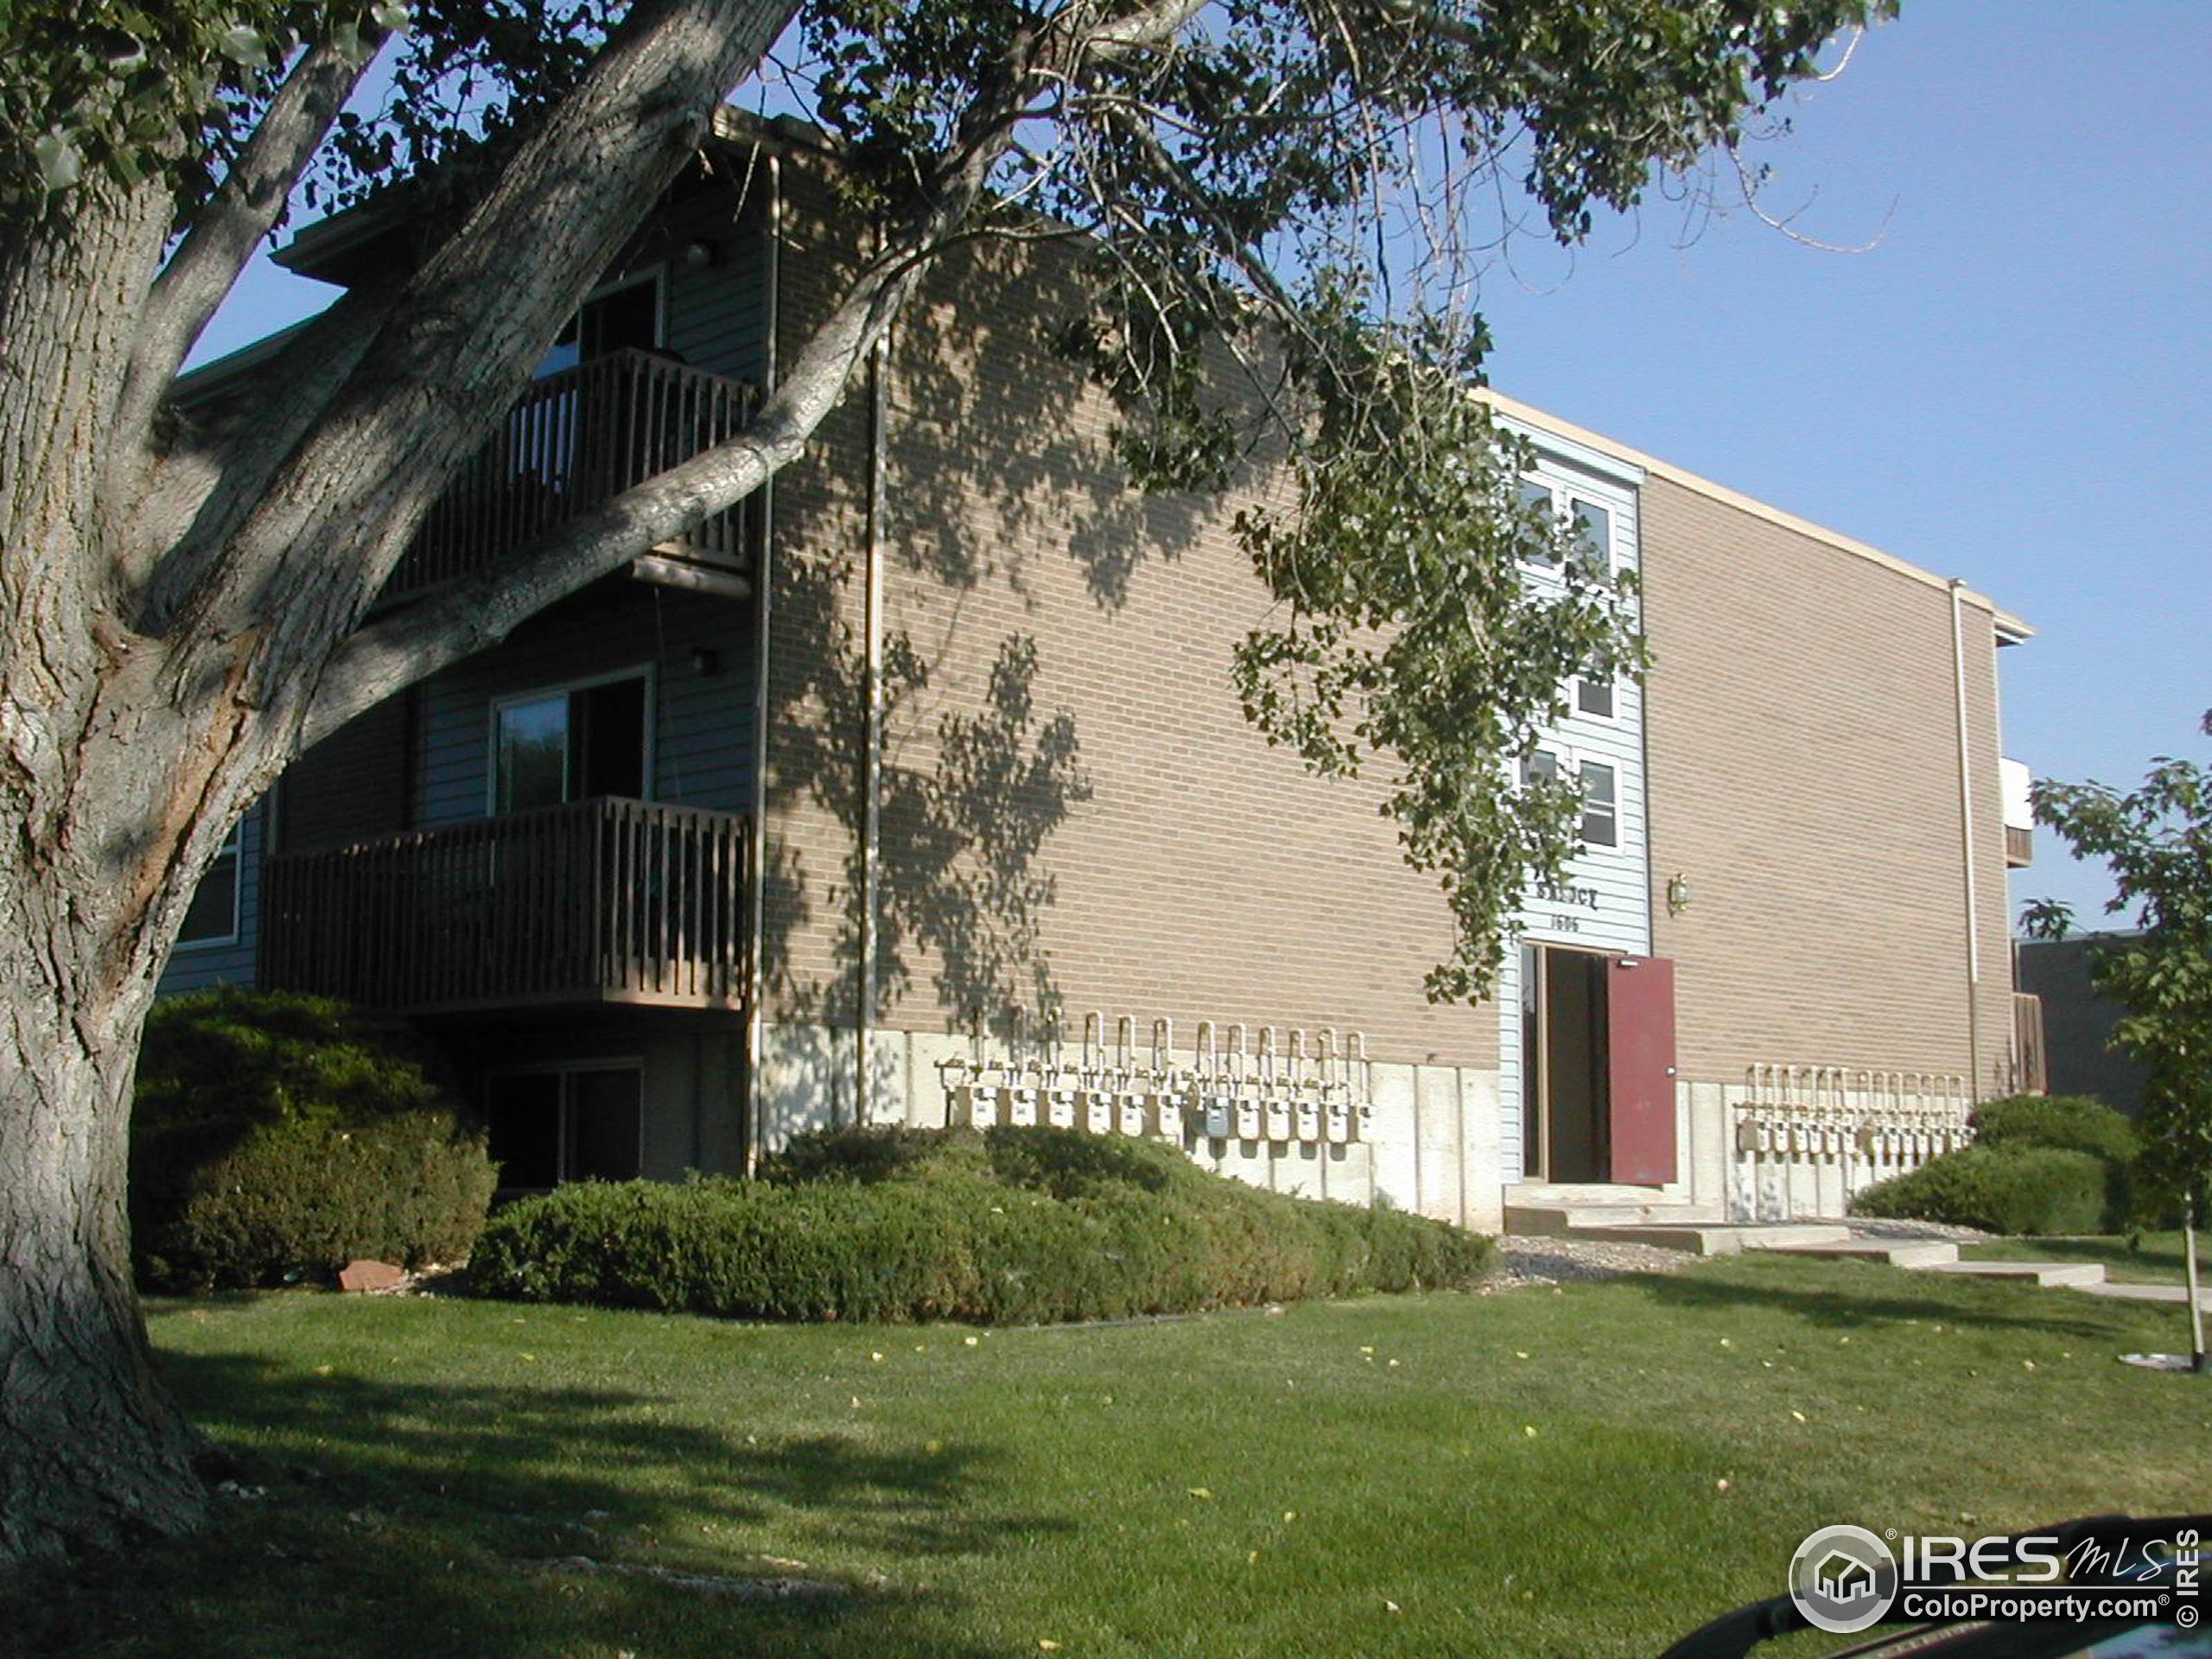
x,y
756,850
872,738
1967,842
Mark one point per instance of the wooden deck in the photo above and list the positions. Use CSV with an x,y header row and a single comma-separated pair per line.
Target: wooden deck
x,y
578,439
595,901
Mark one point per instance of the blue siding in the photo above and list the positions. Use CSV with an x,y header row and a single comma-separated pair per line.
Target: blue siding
x,y
717,316
702,723
197,967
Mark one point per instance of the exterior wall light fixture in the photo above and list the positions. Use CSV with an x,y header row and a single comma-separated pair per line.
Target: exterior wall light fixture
x,y
1678,893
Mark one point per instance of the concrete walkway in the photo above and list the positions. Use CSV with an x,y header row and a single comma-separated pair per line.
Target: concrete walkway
x,y
1632,1215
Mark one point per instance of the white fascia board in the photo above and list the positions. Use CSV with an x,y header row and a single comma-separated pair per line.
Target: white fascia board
x,y
1572,452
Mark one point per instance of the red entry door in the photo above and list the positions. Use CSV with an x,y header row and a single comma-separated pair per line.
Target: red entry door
x,y
1640,1046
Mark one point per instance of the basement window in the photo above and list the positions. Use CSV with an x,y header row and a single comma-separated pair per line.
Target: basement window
x,y
578,1123
212,916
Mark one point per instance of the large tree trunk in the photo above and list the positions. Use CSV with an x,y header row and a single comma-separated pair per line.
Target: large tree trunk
x,y
156,669
109,761
92,1451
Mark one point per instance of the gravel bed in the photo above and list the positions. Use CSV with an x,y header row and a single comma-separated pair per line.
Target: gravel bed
x,y
1533,1260
1524,1261
1871,1227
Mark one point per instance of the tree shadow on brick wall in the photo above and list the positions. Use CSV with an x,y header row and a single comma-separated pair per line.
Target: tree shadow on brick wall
x,y
1008,453
969,804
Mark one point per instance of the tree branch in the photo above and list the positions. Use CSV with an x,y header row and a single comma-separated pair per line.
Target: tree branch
x,y
214,470
383,658
305,562
224,234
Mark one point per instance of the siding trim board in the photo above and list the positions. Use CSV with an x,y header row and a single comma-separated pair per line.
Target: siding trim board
x,y
1549,430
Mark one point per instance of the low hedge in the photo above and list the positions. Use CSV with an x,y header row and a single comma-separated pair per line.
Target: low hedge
x,y
1011,1226
2014,1189
274,1137
2072,1123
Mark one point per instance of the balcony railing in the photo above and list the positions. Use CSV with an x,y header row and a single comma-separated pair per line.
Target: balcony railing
x,y
576,440
601,901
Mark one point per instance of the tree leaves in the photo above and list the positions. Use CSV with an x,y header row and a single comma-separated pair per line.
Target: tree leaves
x,y
2156,840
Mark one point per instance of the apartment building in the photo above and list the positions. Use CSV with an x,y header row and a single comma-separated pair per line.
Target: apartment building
x,y
674,885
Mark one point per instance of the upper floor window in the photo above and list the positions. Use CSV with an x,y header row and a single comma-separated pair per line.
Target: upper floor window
x,y
212,916
1600,824
1538,499
1594,528
1594,696
623,315
1600,814
570,744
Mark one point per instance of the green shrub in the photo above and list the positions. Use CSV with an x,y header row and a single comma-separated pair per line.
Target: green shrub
x,y
274,1137
1013,1226
2075,1124
2003,1189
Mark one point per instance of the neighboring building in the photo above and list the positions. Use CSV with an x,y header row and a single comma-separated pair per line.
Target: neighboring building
x,y
2078,1023
1778,966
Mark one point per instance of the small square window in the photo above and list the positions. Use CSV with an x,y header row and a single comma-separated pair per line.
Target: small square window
x,y
1594,698
1600,818
1538,763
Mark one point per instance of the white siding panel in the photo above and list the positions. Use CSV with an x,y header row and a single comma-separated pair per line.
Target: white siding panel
x,y
1607,906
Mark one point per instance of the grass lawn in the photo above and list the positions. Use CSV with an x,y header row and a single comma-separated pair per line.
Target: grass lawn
x,y
1528,1473
2157,1261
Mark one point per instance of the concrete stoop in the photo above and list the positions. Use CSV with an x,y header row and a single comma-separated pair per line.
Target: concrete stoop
x,y
1533,1209
2036,1272
1897,1252
1722,1239
1641,1216
2177,1294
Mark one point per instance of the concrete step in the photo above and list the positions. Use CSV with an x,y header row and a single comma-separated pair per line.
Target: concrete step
x,y
1570,1193
2177,1295
2077,1274
1550,1219
1717,1239
1897,1252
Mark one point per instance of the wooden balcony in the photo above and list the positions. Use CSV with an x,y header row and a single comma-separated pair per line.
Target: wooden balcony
x,y
595,901
576,441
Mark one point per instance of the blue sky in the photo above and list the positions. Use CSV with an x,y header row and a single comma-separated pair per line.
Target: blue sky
x,y
2014,385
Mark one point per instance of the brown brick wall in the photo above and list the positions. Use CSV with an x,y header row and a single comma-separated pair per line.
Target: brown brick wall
x,y
1801,742
1206,875
1804,778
